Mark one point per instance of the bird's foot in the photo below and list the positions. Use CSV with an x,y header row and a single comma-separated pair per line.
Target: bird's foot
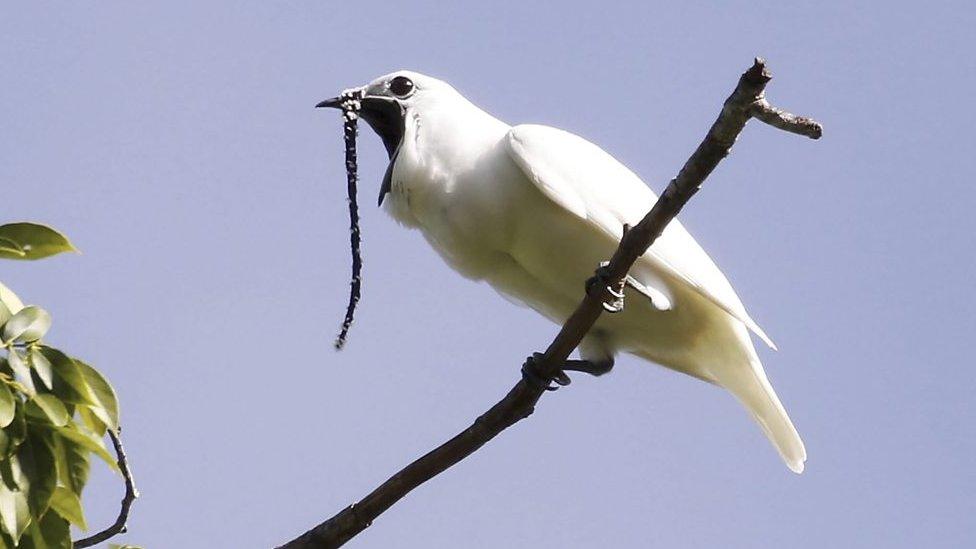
x,y
600,281
531,372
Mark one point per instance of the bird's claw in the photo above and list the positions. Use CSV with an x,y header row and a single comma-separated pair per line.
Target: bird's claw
x,y
532,375
600,281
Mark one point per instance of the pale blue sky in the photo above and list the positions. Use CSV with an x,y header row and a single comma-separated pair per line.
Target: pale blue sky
x,y
178,147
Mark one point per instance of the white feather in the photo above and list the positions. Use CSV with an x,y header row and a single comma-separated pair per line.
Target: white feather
x,y
592,185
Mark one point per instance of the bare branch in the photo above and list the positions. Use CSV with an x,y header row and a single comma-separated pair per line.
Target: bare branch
x,y
746,102
785,121
119,527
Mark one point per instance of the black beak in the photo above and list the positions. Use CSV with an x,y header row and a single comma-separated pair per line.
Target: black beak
x,y
334,103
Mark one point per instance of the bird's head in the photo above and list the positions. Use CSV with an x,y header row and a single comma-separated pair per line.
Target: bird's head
x,y
388,100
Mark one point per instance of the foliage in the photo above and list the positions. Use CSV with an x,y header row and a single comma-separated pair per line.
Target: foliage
x,y
54,412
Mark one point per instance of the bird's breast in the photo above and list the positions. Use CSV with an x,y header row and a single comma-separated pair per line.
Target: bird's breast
x,y
463,202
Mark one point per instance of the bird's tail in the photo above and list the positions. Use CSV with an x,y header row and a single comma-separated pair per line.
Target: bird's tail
x,y
757,395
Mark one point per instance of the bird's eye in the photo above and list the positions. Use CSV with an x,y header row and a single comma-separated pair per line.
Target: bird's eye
x,y
401,86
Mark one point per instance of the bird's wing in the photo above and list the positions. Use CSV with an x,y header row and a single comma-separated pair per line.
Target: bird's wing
x,y
585,180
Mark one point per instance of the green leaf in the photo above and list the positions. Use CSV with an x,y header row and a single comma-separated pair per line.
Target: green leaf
x,y
10,439
32,241
105,402
78,383
68,505
12,248
28,324
48,407
42,366
51,532
5,444
72,462
10,299
69,382
8,405
10,471
21,370
76,434
14,513
17,430
67,376
5,313
36,457
91,421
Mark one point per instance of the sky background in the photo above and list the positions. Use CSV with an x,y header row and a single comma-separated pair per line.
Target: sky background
x,y
176,144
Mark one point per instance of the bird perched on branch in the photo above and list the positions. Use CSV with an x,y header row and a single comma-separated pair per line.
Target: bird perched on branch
x,y
533,210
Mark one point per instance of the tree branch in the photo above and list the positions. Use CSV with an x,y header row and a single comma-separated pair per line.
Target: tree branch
x,y
119,527
747,101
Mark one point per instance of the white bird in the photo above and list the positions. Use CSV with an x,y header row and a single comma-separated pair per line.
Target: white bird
x,y
533,210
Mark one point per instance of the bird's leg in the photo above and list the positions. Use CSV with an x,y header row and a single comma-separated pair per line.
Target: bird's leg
x,y
599,281
532,375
